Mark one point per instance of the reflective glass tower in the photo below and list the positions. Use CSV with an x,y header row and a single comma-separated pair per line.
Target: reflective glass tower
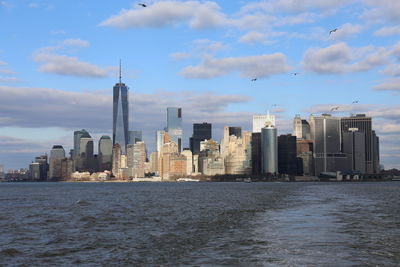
x,y
120,115
174,125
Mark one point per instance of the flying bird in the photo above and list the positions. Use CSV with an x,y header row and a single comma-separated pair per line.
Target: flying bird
x,y
295,73
355,102
334,108
142,4
331,31
254,79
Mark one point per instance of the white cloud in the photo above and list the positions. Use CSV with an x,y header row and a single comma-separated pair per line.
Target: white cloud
x,y
388,31
179,56
340,58
7,71
33,5
382,10
52,62
200,15
65,65
250,66
208,46
345,31
3,63
389,85
254,37
8,80
6,4
391,70
75,42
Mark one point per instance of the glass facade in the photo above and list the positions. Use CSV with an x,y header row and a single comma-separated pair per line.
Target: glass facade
x,y
269,148
135,136
174,126
201,132
105,153
120,116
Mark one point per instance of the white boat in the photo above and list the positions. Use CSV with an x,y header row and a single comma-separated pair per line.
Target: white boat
x,y
188,180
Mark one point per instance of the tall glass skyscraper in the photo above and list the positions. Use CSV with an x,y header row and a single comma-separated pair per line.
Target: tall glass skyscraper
x,y
174,125
120,115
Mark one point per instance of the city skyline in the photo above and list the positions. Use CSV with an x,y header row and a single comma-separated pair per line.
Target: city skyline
x,y
51,89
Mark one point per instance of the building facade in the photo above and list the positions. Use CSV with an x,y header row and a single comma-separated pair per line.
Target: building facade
x,y
57,154
269,150
120,116
105,153
260,121
201,132
174,125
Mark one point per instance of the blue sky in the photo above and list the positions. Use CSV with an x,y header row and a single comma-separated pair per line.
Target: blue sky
x,y
59,61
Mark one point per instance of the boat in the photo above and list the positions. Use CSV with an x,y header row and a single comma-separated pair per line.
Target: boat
x,y
187,180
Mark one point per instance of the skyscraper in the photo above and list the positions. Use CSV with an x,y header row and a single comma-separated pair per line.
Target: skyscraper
x,y
363,124
57,154
269,149
326,135
354,146
301,128
105,153
287,160
236,131
256,153
201,132
77,140
174,125
120,115
85,159
260,121
134,136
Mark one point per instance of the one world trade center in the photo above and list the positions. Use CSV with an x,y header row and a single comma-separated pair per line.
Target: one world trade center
x,y
120,114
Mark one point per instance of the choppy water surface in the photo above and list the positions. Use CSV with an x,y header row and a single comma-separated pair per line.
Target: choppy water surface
x,y
200,224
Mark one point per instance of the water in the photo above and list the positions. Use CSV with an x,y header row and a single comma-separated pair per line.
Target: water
x,y
200,224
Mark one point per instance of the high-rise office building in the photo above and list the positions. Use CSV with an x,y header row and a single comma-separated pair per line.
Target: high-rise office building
x,y
67,168
77,140
260,121
120,115
305,152
116,161
269,149
105,153
361,124
174,125
326,135
43,167
287,154
201,132
135,136
375,153
34,171
160,136
236,131
2,172
85,159
353,143
57,154
256,153
301,128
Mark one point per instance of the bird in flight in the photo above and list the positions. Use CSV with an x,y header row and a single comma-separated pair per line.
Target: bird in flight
x,y
355,102
295,73
334,108
331,31
254,79
142,4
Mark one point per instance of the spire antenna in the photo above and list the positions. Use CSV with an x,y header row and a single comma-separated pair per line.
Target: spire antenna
x,y
120,70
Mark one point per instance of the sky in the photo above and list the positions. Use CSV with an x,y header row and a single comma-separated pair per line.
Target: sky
x,y
59,61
